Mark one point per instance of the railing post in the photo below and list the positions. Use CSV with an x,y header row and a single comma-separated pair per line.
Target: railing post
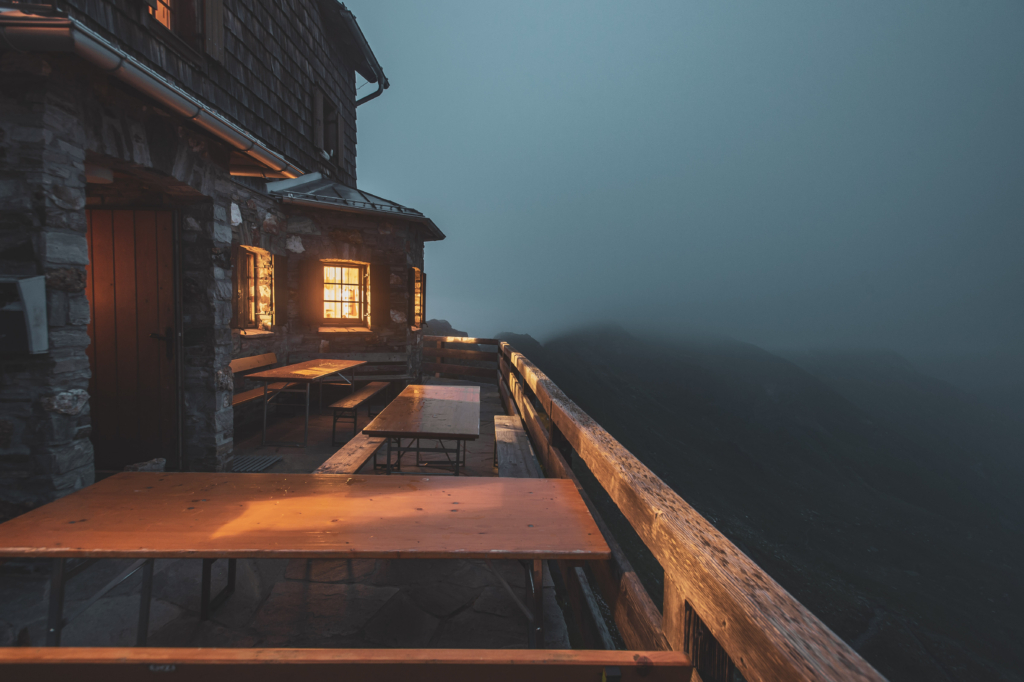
x,y
440,361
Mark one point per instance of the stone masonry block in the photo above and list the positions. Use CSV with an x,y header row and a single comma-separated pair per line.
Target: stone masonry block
x,y
62,248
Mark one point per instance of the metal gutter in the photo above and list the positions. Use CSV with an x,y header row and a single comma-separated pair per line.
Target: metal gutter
x,y
33,33
364,47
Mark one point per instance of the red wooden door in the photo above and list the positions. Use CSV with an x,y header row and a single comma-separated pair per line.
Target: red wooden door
x,y
130,286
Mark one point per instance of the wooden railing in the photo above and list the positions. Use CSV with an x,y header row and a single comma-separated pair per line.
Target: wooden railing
x,y
718,605
452,362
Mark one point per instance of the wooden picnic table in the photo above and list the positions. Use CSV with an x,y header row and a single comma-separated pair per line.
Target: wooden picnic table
x,y
209,516
429,412
306,373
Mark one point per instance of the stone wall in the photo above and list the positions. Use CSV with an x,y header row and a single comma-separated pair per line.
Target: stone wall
x,y
44,412
56,115
295,235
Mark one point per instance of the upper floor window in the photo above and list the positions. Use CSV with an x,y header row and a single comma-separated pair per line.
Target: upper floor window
x,y
328,129
190,20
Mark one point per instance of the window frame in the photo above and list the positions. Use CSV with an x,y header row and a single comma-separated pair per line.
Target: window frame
x,y
364,290
246,288
188,40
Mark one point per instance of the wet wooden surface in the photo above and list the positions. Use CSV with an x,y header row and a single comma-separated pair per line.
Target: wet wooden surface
x,y
311,370
377,665
143,514
430,412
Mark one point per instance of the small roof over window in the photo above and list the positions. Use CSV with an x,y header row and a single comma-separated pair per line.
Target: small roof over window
x,y
316,191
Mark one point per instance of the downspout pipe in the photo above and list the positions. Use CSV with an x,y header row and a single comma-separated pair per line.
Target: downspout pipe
x,y
364,47
26,32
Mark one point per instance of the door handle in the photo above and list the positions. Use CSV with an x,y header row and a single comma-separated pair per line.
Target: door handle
x,y
168,338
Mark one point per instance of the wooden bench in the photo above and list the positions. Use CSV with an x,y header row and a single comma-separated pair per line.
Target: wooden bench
x,y
252,364
513,454
355,453
348,407
114,664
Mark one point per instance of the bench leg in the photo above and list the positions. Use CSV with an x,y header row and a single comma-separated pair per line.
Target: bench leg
x,y
538,602
207,604
145,599
55,621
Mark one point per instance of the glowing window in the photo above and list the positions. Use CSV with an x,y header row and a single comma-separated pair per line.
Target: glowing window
x,y
163,12
344,293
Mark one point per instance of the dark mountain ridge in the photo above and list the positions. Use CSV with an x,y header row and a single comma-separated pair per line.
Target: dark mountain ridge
x,y
902,538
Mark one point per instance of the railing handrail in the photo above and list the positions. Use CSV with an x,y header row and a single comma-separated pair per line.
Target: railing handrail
x,y
766,632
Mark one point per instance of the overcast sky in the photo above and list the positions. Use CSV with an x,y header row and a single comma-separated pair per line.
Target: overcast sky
x,y
791,174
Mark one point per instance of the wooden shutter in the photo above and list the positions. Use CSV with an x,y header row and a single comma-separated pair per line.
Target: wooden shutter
x,y
423,299
318,118
311,292
411,307
380,294
237,287
280,290
213,28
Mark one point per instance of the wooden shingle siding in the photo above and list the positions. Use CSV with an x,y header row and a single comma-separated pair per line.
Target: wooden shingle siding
x,y
275,54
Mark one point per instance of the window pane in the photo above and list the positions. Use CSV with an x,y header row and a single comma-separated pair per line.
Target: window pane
x,y
332,310
162,12
332,292
350,275
332,274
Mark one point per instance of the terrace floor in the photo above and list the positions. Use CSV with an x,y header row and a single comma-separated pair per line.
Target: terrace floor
x,y
297,603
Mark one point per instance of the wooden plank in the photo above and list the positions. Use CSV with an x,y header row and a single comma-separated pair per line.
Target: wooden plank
x,y
167,318
460,370
361,396
144,514
512,447
463,339
348,459
147,313
308,371
103,384
126,330
58,664
486,356
768,634
506,397
430,412
253,362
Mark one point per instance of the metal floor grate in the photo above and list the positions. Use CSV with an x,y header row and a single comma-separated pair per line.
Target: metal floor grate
x,y
254,464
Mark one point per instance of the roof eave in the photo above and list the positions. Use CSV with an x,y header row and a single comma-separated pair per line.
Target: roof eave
x,y
434,233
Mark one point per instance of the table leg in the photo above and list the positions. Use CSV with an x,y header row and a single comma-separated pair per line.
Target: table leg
x,y
538,602
305,435
56,617
145,598
204,590
387,466
265,398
